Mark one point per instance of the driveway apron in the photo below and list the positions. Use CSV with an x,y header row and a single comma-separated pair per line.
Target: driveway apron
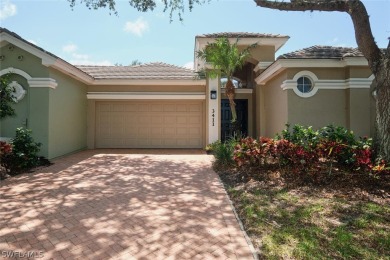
x,y
120,204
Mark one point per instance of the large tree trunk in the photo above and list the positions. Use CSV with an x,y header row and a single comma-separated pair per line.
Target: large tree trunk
x,y
383,114
378,61
230,93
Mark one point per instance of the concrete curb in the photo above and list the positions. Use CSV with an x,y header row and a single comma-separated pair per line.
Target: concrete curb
x,y
248,240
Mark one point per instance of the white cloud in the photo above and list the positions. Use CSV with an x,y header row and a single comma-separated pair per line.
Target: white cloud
x,y
69,48
80,58
138,27
189,65
90,62
7,9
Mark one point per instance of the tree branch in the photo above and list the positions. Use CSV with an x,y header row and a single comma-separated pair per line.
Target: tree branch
x,y
305,5
357,11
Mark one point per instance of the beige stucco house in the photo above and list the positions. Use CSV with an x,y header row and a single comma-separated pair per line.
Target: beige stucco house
x,y
157,105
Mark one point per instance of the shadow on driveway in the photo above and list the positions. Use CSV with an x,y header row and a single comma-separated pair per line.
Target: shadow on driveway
x,y
121,204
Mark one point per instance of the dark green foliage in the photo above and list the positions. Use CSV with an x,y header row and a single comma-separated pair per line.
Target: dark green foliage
x,y
24,154
223,151
174,6
6,98
299,135
303,149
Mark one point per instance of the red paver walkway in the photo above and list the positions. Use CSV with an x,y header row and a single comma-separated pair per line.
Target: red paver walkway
x,y
109,204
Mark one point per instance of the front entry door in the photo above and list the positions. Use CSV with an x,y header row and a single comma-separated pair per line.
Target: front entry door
x,y
226,117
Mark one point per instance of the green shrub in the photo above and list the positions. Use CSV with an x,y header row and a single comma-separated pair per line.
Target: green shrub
x,y
24,153
306,150
300,135
223,151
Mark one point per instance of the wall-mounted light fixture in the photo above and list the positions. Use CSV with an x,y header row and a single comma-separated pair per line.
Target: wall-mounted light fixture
x,y
213,94
20,57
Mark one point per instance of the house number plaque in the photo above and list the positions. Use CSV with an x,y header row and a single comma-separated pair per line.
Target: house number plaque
x,y
213,116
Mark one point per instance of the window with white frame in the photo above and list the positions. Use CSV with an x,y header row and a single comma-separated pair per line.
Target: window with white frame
x,y
305,84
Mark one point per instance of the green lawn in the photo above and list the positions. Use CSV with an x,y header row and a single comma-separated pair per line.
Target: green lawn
x,y
309,222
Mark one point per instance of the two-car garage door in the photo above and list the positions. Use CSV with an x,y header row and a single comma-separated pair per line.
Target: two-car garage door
x,y
149,124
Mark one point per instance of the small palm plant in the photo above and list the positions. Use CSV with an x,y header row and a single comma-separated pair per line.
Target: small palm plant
x,y
225,58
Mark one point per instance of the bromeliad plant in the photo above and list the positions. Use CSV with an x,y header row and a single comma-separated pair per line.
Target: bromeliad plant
x,y
225,58
302,149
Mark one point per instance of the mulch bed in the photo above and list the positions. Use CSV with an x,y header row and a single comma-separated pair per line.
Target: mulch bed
x,y
341,183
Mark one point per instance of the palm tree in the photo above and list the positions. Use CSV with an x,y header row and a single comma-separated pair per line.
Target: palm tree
x,y
225,58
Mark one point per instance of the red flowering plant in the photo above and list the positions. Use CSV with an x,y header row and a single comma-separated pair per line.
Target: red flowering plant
x,y
301,157
5,150
250,151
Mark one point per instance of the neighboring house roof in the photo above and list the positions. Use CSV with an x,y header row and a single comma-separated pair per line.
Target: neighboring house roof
x,y
64,65
322,52
155,70
241,35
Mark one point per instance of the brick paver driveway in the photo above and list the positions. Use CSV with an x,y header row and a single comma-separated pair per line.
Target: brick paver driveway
x,y
117,204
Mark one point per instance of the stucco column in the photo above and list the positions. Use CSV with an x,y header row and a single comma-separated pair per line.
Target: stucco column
x,y
213,113
39,111
38,119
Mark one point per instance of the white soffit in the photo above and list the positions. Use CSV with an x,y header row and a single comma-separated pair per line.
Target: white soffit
x,y
282,64
147,95
278,42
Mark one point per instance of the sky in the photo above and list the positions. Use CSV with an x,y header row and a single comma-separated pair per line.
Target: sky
x,y
94,37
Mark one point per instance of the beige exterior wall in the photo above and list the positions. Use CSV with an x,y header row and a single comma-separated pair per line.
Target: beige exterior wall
x,y
263,53
272,107
321,73
350,108
358,72
325,107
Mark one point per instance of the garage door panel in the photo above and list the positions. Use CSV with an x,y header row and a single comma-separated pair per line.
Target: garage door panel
x,y
149,124
157,120
143,107
169,108
194,120
181,120
194,131
182,130
169,120
181,108
195,108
